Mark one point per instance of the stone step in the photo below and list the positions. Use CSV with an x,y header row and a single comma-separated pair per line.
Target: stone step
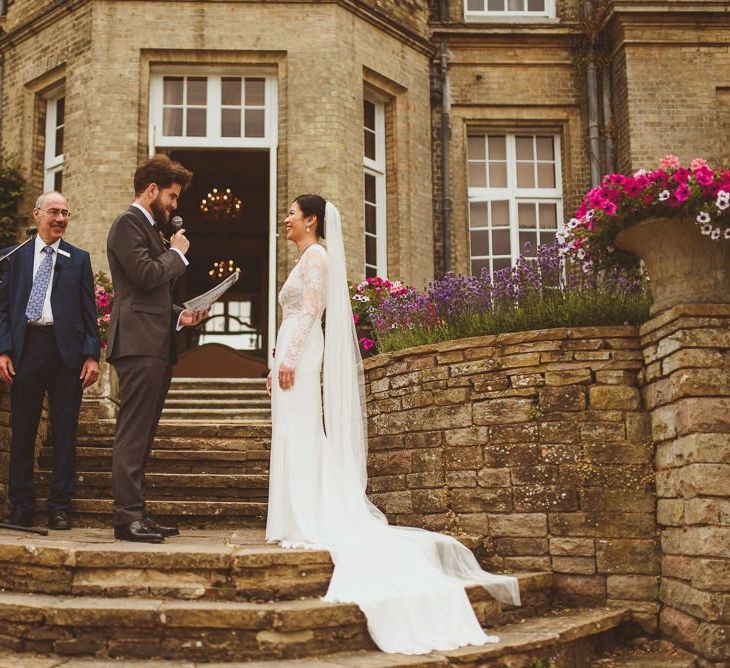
x,y
211,565
95,512
172,486
235,394
230,431
217,403
215,414
647,653
236,384
253,461
242,631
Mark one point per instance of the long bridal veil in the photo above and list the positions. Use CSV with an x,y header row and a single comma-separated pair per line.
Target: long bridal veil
x,y
408,582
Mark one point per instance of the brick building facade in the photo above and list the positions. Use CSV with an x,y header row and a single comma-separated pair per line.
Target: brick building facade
x,y
449,132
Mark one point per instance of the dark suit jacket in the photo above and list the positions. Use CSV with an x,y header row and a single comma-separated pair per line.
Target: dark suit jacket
x,y
72,301
143,273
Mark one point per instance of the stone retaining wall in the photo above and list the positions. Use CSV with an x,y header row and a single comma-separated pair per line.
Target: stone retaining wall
x,y
533,448
687,391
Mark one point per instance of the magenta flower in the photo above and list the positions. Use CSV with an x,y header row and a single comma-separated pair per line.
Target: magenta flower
x,y
669,162
697,164
367,344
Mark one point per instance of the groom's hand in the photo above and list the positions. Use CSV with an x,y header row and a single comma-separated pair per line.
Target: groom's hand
x,y
286,377
190,318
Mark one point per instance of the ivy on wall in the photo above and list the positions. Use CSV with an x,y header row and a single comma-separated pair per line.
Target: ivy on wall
x,y
11,191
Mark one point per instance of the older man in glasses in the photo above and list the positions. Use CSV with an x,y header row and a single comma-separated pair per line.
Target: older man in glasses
x,y
49,342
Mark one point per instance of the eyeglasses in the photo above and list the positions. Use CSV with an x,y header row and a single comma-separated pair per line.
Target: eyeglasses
x,y
55,212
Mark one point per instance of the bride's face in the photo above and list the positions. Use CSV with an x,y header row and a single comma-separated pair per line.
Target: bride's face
x,y
296,224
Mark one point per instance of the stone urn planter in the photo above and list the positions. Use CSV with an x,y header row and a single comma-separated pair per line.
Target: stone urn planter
x,y
684,266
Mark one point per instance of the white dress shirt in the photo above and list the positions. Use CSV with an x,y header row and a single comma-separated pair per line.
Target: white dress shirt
x,y
47,314
151,220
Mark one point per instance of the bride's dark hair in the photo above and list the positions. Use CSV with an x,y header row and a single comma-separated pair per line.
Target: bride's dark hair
x,y
313,205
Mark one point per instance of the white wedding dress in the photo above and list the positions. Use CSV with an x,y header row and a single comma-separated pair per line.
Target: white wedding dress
x,y
408,582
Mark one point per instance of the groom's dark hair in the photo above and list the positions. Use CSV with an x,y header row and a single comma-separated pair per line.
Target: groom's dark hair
x,y
163,171
313,205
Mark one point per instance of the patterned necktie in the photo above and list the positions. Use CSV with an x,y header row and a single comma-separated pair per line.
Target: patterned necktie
x,y
34,310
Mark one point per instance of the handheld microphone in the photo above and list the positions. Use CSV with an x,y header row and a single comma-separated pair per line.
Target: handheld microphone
x,y
30,232
176,222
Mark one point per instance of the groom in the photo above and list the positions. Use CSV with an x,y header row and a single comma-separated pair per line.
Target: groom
x,y
142,334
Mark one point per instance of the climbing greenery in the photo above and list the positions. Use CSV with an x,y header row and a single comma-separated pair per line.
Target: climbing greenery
x,y
11,191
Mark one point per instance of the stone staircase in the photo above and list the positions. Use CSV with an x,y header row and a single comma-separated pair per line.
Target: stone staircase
x,y
217,399
218,592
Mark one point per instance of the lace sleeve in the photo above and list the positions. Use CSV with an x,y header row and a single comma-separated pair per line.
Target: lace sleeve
x,y
314,298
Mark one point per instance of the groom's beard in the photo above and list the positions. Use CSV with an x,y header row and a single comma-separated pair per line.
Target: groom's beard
x,y
160,213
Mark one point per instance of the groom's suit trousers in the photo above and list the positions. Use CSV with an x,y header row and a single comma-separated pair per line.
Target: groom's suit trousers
x,y
143,383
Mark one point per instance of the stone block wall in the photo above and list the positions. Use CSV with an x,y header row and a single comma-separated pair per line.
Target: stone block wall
x,y
531,447
687,391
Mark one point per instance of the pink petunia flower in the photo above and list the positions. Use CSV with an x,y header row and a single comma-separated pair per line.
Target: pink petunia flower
x,y
698,164
669,162
355,318
367,344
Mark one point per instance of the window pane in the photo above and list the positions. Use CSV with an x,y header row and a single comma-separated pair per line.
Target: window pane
x,y
497,174
197,90
501,263
370,217
495,5
370,188
369,114
479,242
548,217
527,217
58,181
255,92
371,255
545,175
545,148
369,144
231,122
497,147
231,91
525,175
536,5
500,214
524,148
475,5
475,149
196,123
59,142
525,239
478,265
501,242
515,5
478,214
172,122
255,126
370,272
172,90
477,175
60,111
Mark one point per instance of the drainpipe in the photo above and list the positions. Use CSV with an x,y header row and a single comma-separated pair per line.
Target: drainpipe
x,y
593,130
445,151
609,165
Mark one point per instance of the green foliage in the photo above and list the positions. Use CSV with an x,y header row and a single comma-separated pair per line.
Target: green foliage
x,y
606,304
11,191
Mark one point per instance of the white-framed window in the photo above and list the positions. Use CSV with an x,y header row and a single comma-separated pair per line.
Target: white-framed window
x,y
376,260
196,109
509,8
53,156
515,196
229,323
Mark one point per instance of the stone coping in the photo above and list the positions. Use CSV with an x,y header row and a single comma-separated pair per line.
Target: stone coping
x,y
505,339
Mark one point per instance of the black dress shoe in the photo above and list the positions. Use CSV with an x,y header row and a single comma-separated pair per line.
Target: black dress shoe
x,y
165,532
59,520
19,518
138,531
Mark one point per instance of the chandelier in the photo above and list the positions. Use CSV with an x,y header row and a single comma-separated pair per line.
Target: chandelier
x,y
222,269
221,206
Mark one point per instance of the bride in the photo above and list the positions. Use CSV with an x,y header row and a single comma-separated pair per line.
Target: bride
x,y
408,582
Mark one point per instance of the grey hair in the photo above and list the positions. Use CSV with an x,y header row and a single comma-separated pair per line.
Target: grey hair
x,y
41,201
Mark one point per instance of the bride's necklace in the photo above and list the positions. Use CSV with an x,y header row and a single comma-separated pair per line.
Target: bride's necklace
x,y
304,250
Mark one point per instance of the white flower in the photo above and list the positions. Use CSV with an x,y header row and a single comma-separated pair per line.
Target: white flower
x,y
640,172
589,215
560,236
706,229
703,217
365,298
580,254
663,195
573,223
727,233
723,200
586,267
610,249
715,234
